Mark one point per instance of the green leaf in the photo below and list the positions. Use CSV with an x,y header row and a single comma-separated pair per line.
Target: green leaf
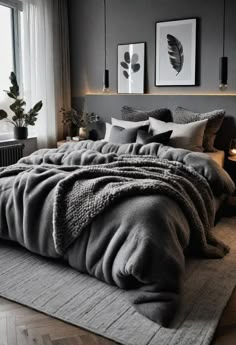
x,y
14,91
22,102
38,106
13,107
3,114
10,94
15,86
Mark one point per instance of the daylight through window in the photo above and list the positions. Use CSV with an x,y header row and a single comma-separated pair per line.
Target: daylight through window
x,y
7,57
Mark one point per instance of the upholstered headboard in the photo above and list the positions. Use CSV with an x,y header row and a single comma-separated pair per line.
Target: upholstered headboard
x,y
107,106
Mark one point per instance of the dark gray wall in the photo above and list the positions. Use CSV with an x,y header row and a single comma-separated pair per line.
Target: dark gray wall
x,y
134,21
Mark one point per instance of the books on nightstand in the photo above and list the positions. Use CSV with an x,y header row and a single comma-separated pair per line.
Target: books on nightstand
x,y
77,138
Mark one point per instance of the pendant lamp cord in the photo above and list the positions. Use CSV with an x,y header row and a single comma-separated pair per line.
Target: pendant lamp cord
x,y
224,29
105,34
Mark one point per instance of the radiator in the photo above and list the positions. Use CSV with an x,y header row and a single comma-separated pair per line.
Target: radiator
x,y
10,154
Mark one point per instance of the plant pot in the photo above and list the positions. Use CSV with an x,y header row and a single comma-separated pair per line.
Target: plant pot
x,y
20,132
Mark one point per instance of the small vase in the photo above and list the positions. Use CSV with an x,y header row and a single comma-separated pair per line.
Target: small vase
x,y
20,132
83,133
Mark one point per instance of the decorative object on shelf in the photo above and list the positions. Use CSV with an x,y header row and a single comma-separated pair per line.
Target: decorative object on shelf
x,y
77,123
232,148
176,52
224,59
106,71
83,133
131,68
21,120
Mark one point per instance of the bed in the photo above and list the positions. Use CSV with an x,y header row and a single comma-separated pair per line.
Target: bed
x,y
127,214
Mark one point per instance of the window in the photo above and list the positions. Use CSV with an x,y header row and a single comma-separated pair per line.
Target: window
x,y
9,60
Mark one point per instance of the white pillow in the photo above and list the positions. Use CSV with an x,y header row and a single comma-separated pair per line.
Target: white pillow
x,y
187,136
129,124
108,132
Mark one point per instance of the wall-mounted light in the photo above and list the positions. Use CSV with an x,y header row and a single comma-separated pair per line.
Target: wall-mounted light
x,y
106,71
223,59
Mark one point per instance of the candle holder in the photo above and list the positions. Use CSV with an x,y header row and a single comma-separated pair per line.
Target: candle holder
x,y
232,148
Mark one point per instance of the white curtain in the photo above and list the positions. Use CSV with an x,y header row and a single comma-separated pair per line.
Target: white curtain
x,y
46,65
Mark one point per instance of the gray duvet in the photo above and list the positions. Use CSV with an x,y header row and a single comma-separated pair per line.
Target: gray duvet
x,y
134,235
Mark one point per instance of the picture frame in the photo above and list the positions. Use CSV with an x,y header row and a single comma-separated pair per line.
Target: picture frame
x,y
175,63
131,62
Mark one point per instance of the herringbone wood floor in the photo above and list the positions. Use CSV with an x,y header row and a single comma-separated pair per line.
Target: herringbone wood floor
x,y
23,326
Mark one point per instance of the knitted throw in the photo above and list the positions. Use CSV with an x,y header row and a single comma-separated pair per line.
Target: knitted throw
x,y
87,192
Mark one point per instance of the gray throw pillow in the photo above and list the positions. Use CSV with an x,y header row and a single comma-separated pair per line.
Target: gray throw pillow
x,y
215,119
131,114
144,137
128,124
187,136
120,135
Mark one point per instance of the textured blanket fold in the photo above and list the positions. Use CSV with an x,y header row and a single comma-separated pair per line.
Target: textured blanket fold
x,y
89,152
90,190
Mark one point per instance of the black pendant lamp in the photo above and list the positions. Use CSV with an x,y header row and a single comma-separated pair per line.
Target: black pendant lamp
x,y
223,59
106,71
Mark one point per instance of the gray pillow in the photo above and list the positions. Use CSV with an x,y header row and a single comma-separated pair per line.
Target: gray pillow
x,y
131,114
186,136
120,135
108,131
215,119
128,124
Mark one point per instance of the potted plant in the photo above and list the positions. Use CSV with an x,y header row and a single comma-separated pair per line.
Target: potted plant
x,y
86,120
71,121
21,119
77,123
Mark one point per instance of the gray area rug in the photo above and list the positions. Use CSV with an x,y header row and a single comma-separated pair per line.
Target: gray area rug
x,y
59,291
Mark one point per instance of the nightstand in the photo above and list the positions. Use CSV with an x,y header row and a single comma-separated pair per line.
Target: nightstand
x,y
230,167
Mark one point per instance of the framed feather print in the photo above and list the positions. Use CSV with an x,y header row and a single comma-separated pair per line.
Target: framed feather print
x,y
131,68
176,53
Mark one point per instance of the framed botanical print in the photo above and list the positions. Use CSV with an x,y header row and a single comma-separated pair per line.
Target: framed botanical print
x,y
131,68
176,52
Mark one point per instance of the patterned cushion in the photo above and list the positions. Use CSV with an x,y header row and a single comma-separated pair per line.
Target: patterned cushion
x,y
215,119
131,114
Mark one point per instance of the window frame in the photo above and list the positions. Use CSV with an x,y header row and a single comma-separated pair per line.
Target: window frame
x,y
17,8
15,4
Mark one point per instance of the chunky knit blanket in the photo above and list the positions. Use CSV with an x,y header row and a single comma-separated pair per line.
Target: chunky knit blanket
x,y
88,191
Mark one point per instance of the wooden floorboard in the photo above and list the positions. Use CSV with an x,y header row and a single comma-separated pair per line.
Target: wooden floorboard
x,y
20,325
